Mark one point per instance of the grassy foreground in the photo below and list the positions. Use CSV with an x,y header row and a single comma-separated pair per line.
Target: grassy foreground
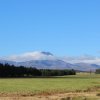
x,y
31,86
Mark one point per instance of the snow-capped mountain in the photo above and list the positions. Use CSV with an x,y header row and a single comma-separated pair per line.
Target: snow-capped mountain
x,y
39,60
47,60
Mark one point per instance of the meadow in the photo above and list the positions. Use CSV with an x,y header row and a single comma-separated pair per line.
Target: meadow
x,y
28,87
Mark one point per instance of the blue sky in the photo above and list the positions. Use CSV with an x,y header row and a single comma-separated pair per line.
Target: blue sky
x,y
63,27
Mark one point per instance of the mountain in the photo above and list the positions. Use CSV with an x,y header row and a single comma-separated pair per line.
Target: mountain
x,y
46,60
47,53
48,64
39,60
86,67
9,62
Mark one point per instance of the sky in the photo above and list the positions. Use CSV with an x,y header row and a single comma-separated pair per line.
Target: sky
x,y
62,27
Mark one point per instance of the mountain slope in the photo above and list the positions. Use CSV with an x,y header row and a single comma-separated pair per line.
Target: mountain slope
x,y
48,64
86,66
46,60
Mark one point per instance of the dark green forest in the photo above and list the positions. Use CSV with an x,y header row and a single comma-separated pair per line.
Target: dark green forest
x,y
7,70
97,71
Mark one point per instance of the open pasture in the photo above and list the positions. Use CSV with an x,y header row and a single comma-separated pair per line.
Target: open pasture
x,y
28,87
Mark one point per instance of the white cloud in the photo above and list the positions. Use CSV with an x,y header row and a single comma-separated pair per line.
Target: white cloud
x,y
29,56
83,59
43,56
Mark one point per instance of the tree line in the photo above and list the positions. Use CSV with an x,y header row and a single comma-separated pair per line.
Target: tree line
x,y
7,70
97,71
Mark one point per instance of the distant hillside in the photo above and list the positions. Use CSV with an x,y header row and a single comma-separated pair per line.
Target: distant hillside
x,y
46,60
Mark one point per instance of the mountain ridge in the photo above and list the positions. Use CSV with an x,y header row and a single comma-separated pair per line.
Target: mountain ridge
x,y
46,60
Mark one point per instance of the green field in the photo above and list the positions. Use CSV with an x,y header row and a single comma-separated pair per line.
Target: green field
x,y
76,83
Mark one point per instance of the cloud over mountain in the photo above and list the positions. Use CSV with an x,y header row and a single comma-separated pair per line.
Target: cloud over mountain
x,y
47,60
41,55
37,55
83,59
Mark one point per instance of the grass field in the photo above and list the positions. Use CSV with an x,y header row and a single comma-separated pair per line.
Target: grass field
x,y
46,86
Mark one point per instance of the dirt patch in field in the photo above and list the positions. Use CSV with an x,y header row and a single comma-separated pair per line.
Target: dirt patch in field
x,y
48,93
93,92
67,96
